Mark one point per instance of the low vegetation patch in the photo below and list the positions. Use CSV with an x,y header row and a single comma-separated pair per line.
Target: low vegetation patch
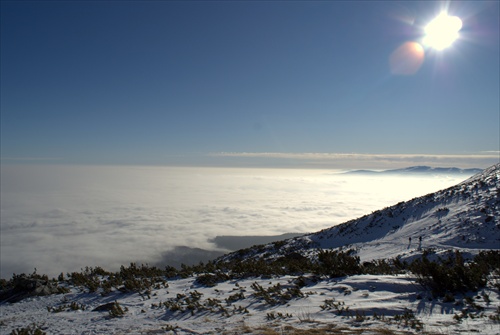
x,y
30,330
454,274
451,279
443,276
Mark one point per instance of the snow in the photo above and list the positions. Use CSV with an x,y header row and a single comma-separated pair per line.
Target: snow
x,y
464,217
370,302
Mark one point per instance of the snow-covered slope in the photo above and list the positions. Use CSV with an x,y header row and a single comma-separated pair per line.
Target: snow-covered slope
x,y
465,216
365,304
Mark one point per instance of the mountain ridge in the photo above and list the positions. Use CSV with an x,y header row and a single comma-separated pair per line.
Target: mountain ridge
x,y
464,216
420,169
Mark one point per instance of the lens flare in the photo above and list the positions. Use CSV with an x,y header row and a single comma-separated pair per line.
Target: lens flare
x,y
407,59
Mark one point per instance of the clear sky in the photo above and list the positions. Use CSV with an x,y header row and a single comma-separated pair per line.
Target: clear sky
x,y
204,82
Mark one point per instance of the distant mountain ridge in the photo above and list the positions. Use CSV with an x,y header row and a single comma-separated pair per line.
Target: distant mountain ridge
x,y
463,217
420,170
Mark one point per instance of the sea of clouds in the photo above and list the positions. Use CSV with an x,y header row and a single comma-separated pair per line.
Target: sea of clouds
x,y
63,218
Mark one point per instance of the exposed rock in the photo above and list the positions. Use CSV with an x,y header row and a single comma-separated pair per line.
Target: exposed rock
x,y
104,308
24,287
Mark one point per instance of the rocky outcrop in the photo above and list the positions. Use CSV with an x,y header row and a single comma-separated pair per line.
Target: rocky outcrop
x,y
23,287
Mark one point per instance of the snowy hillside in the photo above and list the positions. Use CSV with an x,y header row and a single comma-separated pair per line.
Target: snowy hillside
x,y
233,296
465,217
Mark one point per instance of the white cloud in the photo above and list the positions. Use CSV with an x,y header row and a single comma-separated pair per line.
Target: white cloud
x,y
63,218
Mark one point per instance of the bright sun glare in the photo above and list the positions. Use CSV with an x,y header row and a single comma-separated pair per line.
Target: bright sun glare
x,y
441,32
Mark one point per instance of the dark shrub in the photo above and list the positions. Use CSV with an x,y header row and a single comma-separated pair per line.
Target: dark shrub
x,y
338,263
454,274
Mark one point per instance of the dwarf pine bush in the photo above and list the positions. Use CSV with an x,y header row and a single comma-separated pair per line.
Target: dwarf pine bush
x,y
338,263
30,330
454,274
117,311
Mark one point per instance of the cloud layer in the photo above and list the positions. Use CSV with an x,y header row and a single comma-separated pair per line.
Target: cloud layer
x,y
63,218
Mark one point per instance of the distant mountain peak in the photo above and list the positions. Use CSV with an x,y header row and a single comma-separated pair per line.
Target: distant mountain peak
x,y
421,169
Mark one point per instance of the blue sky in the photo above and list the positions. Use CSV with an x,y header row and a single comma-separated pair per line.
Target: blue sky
x,y
161,82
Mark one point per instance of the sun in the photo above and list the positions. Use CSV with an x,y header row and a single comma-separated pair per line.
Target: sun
x,y
441,32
